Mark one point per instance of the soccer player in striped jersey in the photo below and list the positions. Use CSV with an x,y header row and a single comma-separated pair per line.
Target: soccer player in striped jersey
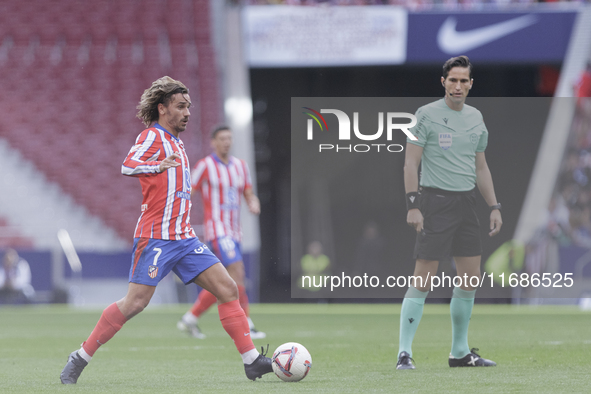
x,y
164,239
222,179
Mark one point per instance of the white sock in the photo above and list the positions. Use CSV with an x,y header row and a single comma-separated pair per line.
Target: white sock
x,y
82,353
190,318
250,356
250,323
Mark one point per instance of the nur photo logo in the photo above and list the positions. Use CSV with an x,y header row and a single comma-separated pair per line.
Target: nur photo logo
x,y
390,119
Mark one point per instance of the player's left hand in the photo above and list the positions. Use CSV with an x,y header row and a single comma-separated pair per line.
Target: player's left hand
x,y
495,222
169,162
254,205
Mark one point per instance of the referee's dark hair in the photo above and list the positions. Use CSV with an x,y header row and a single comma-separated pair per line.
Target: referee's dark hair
x,y
219,128
459,61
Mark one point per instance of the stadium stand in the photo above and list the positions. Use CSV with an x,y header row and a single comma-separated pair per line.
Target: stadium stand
x,y
74,72
418,4
11,237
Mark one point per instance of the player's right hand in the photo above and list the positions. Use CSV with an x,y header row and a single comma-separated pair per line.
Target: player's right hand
x,y
169,162
414,218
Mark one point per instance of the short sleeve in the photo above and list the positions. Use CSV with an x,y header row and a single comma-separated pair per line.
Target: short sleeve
x,y
247,178
420,129
483,141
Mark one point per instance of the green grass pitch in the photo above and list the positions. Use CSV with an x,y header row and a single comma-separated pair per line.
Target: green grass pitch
x,y
353,347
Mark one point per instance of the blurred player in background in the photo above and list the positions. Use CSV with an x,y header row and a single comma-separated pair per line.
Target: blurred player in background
x,y
15,279
583,86
222,179
451,141
164,239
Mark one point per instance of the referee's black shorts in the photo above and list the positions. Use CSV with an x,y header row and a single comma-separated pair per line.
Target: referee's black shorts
x,y
450,226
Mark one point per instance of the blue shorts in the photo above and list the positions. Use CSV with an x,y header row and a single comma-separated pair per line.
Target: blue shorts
x,y
226,249
152,259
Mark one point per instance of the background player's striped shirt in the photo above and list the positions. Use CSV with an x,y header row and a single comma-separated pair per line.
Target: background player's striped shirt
x,y
221,187
167,196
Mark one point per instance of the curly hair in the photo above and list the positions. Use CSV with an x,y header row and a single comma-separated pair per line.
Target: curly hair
x,y
160,92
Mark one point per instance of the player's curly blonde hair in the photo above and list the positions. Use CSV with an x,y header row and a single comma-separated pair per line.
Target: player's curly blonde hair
x,y
160,92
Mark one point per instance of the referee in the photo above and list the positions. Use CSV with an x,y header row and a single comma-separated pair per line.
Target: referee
x,y
451,141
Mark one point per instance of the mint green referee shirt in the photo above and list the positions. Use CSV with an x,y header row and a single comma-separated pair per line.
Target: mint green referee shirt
x,y
450,140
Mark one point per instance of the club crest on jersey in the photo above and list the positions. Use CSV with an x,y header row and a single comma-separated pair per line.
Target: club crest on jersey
x,y
445,140
473,138
152,271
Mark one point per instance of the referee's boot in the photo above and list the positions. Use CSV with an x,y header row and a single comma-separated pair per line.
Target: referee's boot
x,y
405,361
472,359
260,366
73,368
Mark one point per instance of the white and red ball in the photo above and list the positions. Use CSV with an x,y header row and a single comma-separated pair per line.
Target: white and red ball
x,y
291,362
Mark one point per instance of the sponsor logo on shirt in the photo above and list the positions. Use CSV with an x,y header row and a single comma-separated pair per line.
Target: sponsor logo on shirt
x,y
201,249
144,207
185,195
187,177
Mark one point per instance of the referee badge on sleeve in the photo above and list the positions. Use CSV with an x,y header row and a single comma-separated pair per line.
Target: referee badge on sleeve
x,y
445,140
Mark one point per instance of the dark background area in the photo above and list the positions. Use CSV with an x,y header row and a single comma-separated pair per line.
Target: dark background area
x,y
272,90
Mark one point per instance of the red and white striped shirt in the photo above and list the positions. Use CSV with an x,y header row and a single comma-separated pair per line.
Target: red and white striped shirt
x,y
221,186
167,196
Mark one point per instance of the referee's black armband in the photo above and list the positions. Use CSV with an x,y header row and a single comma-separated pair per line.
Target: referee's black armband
x,y
412,200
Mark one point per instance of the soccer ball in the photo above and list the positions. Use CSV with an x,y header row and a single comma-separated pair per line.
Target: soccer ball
x,y
291,362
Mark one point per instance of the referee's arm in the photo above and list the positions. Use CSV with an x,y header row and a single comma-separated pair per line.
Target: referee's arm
x,y
412,159
485,185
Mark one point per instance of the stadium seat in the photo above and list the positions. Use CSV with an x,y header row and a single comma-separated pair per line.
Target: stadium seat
x,y
79,119
10,237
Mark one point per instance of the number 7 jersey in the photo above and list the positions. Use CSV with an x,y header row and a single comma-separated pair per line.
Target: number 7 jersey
x,y
166,204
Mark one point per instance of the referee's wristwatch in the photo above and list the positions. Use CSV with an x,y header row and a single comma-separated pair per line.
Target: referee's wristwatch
x,y
496,206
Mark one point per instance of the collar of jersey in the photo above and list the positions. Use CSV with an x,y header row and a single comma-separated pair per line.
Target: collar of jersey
x,y
159,126
444,104
216,158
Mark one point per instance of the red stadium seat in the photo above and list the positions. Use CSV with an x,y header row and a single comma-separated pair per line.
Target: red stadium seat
x,y
74,108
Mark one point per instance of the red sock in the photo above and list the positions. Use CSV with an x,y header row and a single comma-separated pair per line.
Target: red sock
x,y
110,322
204,301
234,322
243,297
